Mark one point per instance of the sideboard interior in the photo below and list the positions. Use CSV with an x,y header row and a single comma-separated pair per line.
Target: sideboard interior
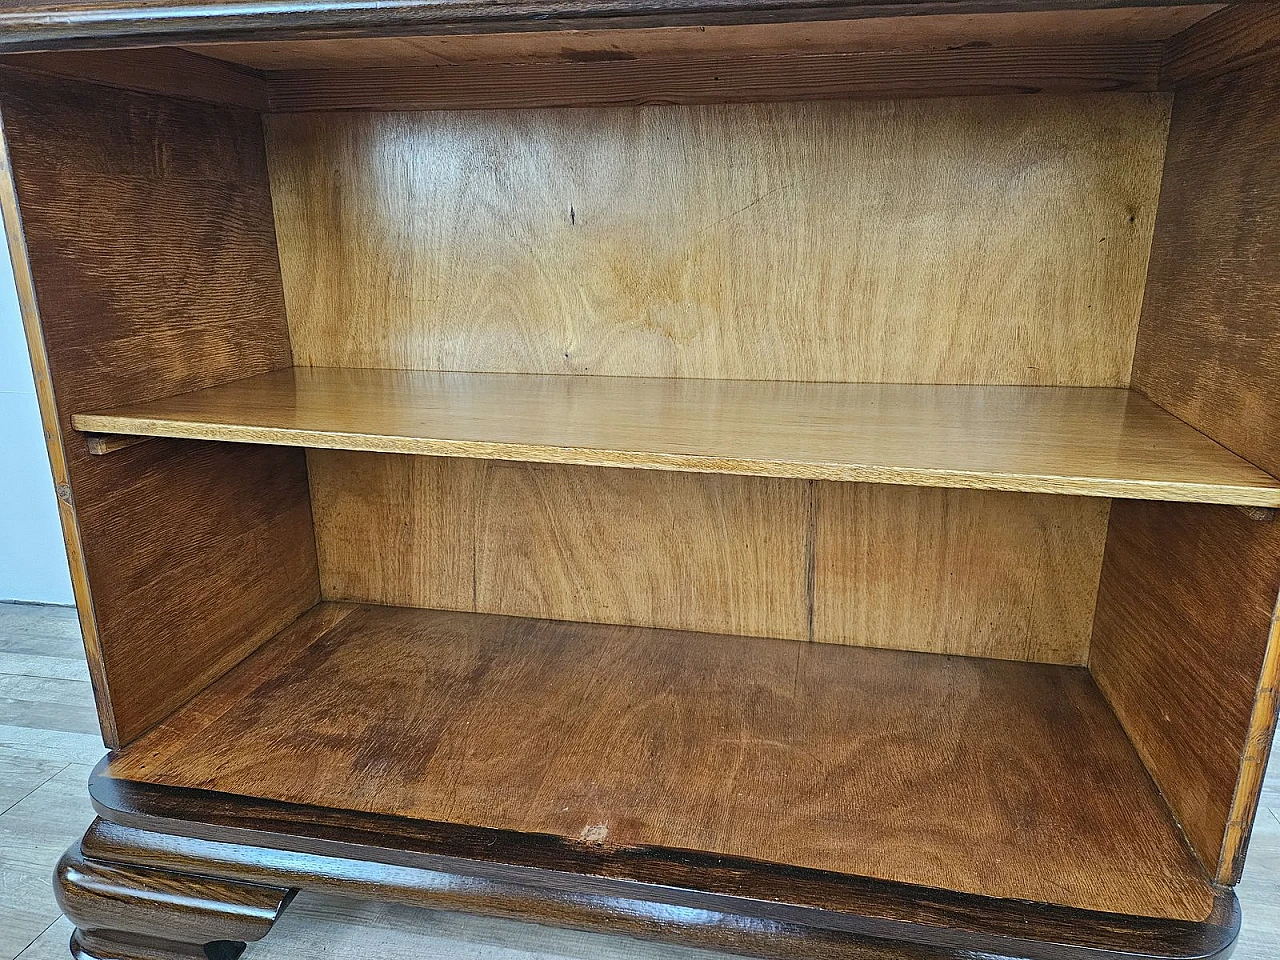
x,y
845,445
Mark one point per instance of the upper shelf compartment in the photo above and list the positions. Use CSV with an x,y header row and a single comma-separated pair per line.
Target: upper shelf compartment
x,y
1072,440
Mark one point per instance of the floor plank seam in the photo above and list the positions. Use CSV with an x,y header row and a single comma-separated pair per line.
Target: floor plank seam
x,y
38,786
36,940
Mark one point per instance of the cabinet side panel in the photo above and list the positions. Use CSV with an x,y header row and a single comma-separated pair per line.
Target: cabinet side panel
x,y
1185,643
150,252
1208,346
1185,609
968,240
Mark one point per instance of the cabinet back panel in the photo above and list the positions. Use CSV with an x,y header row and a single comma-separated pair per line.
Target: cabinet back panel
x,y
978,573
969,572
990,241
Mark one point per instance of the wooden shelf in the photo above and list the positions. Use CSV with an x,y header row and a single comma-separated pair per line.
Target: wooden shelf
x,y
1007,780
1087,441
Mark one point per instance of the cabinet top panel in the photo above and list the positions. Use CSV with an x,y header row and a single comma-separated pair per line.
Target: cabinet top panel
x,y
46,25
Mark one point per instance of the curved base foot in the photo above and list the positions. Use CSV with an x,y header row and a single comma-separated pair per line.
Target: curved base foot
x,y
132,912
112,945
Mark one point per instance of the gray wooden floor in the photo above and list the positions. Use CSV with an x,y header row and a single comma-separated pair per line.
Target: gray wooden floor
x,y
49,741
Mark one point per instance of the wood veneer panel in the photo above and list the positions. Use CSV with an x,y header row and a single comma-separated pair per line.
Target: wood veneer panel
x,y
1099,442
917,33
44,24
1003,779
720,554
977,573
1207,347
811,241
1185,649
722,79
758,557
146,254
165,71
1209,353
1237,37
598,545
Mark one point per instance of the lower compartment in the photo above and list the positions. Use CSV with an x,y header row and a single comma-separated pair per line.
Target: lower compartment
x,y
604,745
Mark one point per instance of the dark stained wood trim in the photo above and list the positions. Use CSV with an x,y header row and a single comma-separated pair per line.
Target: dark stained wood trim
x,y
299,845
1253,762
1234,38
136,911
46,25
166,71
723,79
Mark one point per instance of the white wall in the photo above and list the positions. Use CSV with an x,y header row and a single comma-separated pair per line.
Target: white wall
x,y
33,564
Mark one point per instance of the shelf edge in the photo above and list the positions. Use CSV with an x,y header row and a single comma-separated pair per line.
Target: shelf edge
x,y
1172,490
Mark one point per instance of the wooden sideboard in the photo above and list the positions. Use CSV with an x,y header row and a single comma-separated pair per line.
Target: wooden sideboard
x,y
794,478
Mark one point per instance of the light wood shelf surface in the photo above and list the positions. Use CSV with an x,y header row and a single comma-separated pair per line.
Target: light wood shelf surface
x,y
1087,441
1009,780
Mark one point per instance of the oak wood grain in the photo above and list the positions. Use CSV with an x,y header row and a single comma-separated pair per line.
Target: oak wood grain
x,y
1097,442
796,241
1185,650
44,24
148,267
1237,37
723,79
947,772
921,32
42,378
759,557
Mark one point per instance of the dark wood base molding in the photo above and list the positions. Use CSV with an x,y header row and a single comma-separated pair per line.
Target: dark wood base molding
x,y
111,945
194,866
136,912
